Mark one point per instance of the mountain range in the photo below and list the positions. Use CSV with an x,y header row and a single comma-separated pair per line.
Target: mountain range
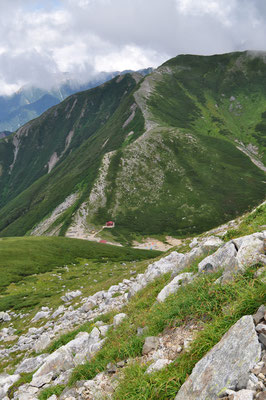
x,y
176,152
31,101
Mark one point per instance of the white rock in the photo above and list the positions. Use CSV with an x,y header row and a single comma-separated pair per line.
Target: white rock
x,y
40,315
43,342
4,316
59,361
71,295
31,364
157,365
118,318
243,395
40,381
6,381
174,285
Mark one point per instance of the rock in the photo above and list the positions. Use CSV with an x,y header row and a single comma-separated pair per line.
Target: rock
x,y
104,329
4,316
224,257
31,364
157,365
6,381
88,306
193,243
261,328
262,339
174,285
226,365
111,368
42,343
58,361
250,248
26,392
262,396
142,331
71,295
118,318
243,395
259,316
151,343
53,397
40,381
212,243
40,315
57,312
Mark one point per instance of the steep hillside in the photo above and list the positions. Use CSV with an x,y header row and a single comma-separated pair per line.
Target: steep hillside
x,y
30,101
177,153
90,321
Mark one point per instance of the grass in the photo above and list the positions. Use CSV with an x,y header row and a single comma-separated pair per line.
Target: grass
x,y
251,222
22,257
46,393
202,301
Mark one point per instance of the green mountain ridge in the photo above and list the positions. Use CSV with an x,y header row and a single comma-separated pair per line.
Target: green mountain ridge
x,y
176,152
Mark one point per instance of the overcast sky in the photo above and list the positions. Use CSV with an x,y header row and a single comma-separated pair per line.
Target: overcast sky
x,y
40,40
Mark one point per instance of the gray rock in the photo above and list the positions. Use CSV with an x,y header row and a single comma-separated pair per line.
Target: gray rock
x,y
57,312
40,315
261,328
43,342
31,364
151,343
158,365
226,365
224,257
58,361
259,316
53,397
71,295
212,243
262,339
40,381
118,318
251,248
174,285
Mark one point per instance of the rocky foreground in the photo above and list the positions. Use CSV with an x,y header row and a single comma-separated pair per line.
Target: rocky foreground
x,y
234,369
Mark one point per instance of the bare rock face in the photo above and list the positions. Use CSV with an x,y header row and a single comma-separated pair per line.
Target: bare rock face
x,y
226,365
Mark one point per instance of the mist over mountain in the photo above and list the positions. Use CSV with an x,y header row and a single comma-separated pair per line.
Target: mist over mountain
x,y
31,101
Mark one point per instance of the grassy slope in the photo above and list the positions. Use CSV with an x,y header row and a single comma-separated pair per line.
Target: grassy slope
x,y
214,101
83,113
75,172
21,257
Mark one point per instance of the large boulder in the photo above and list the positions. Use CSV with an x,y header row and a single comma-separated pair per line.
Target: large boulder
x,y
174,285
250,248
224,257
226,365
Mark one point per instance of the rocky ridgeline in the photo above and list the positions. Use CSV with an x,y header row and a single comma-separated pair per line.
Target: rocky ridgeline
x,y
232,370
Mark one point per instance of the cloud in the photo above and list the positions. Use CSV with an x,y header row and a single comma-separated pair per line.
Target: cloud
x,y
40,40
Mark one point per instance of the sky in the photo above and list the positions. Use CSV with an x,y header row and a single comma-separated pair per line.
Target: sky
x,y
42,40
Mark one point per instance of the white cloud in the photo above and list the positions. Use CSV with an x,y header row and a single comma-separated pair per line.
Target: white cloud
x,y
40,40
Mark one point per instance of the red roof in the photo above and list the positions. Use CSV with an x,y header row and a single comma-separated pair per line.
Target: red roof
x,y
103,241
110,223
